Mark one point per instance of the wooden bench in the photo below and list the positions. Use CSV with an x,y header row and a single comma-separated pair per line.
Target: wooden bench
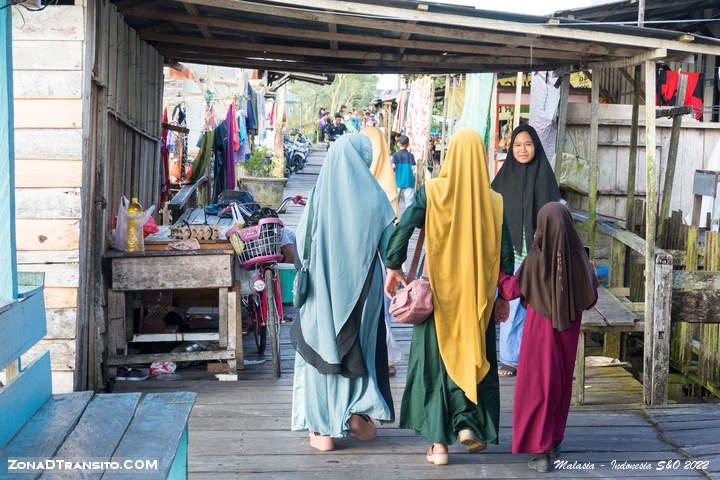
x,y
38,426
611,317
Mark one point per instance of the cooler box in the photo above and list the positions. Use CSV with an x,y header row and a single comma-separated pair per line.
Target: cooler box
x,y
287,278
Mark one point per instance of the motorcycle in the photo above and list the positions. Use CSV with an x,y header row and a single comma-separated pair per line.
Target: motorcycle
x,y
296,151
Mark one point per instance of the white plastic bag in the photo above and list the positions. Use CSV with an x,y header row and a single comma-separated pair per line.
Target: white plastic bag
x,y
574,173
124,219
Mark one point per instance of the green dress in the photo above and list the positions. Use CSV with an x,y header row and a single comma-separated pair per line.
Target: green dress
x,y
432,404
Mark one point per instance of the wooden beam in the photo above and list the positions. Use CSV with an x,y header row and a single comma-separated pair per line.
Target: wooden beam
x,y
518,97
655,54
404,36
324,67
587,48
332,29
517,28
632,161
593,145
265,49
401,43
193,10
631,80
562,122
650,215
672,158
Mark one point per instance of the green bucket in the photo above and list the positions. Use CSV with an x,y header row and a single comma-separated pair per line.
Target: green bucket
x,y
287,278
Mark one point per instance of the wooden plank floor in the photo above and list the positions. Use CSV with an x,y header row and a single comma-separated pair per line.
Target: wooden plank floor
x,y
242,429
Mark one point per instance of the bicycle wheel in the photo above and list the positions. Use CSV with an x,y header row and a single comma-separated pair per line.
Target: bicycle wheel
x,y
259,329
272,322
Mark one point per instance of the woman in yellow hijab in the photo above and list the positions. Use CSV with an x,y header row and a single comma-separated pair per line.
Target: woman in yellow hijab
x,y
452,388
381,166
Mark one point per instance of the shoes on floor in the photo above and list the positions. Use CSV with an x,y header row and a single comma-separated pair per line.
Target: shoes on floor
x,y
324,443
540,463
362,427
131,374
436,458
473,444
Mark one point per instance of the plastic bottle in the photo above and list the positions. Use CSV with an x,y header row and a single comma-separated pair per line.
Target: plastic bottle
x,y
135,240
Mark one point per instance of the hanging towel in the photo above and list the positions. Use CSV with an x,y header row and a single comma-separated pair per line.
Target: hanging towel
x,y
476,111
544,100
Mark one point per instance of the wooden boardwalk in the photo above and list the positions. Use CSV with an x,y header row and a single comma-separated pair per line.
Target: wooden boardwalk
x,y
242,429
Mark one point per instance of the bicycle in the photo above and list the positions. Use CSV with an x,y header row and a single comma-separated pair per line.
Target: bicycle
x,y
258,251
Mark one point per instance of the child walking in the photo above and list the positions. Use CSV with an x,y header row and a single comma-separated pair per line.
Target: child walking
x,y
403,163
556,282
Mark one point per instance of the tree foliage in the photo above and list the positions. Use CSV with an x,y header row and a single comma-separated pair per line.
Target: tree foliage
x,y
352,90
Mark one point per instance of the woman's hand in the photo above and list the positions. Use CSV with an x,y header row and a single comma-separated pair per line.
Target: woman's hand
x,y
394,280
502,310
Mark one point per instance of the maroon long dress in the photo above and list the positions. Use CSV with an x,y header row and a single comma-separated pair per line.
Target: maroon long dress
x,y
544,380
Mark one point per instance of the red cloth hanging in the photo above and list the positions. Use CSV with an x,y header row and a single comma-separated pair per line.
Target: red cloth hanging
x,y
668,81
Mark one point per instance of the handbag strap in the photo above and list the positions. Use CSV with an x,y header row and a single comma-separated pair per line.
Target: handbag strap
x,y
416,257
308,228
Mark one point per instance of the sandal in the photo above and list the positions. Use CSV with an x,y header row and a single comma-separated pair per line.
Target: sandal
x,y
324,443
436,458
362,427
473,444
506,370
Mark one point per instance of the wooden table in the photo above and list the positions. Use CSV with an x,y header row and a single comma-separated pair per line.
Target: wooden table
x,y
173,270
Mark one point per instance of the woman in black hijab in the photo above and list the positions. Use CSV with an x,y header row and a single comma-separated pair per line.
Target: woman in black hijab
x,y
527,182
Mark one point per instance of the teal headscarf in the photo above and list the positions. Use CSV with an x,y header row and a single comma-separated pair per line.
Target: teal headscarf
x,y
351,213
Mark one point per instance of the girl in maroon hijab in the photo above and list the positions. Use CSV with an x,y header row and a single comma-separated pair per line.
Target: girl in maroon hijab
x,y
556,282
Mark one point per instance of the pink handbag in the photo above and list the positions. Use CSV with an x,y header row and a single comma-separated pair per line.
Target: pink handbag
x,y
414,303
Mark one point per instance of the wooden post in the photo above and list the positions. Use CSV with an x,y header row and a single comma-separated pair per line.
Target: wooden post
x,y
445,117
562,122
632,161
223,316
518,98
672,158
579,397
8,256
594,107
661,330
650,215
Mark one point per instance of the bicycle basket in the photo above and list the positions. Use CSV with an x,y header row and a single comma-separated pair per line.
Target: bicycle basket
x,y
257,244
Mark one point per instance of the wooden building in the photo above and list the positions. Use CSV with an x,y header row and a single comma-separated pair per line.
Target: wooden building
x,y
126,43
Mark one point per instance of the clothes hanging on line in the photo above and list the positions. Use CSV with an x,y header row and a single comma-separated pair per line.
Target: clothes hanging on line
x,y
544,101
418,116
164,161
667,85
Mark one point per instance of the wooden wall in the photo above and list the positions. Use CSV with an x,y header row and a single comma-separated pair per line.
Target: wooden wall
x,y
699,148
123,107
47,62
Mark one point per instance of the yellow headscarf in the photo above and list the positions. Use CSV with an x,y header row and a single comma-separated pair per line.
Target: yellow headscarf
x,y
381,167
463,228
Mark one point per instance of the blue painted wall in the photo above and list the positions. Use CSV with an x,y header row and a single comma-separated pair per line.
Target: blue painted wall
x,y
8,260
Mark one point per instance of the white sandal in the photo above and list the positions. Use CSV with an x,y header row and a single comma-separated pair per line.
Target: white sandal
x,y
436,458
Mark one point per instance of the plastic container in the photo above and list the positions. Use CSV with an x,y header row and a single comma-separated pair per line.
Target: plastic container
x,y
135,235
287,274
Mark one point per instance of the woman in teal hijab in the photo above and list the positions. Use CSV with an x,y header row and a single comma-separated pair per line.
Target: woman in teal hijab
x,y
341,376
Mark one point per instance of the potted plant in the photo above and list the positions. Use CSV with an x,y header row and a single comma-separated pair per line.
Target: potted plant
x,y
256,176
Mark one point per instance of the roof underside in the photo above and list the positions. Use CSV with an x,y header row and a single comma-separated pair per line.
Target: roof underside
x,y
383,36
686,15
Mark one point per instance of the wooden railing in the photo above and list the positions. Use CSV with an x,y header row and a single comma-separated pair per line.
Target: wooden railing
x,y
657,306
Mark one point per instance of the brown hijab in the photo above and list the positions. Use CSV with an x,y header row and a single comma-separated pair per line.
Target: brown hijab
x,y
556,278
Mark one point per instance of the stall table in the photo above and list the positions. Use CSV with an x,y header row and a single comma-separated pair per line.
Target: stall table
x,y
211,267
